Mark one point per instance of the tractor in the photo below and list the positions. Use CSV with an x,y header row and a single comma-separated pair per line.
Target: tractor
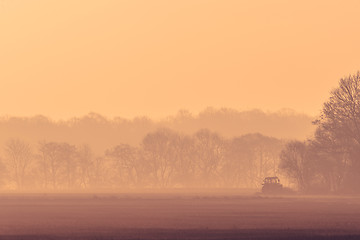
x,y
272,185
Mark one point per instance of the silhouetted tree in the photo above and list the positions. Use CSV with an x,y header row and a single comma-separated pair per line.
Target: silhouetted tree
x,y
209,154
337,136
57,162
184,161
341,113
100,174
19,157
161,147
130,165
85,163
67,154
297,164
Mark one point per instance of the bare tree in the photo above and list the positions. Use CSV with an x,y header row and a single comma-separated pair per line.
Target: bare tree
x,y
85,163
209,153
297,164
19,157
184,151
341,113
162,154
337,137
58,164
100,173
129,163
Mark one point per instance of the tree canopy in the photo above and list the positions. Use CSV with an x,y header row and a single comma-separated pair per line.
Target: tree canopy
x,y
334,151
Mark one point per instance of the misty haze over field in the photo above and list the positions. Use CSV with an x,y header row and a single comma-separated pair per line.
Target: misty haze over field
x,y
179,119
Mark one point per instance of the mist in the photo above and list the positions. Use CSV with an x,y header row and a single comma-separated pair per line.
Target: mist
x,y
184,176
182,119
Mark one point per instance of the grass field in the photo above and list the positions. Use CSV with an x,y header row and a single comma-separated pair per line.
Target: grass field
x,y
178,216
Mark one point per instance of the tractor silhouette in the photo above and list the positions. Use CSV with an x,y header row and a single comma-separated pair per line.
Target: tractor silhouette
x,y
272,185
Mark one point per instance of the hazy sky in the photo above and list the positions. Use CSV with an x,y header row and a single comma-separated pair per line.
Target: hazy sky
x,y
127,58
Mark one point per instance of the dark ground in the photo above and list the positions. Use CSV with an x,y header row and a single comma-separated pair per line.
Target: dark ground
x,y
178,216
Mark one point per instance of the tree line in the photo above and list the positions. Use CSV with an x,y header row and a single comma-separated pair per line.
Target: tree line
x,y
100,132
164,159
330,160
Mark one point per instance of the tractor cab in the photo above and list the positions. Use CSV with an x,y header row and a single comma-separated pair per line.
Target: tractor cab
x,y
271,185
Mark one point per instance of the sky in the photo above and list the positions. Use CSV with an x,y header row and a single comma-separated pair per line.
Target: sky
x,y
130,58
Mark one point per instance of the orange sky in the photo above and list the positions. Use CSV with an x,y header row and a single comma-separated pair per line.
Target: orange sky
x,y
127,58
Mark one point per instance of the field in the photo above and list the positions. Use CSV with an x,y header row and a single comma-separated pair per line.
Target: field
x,y
211,215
